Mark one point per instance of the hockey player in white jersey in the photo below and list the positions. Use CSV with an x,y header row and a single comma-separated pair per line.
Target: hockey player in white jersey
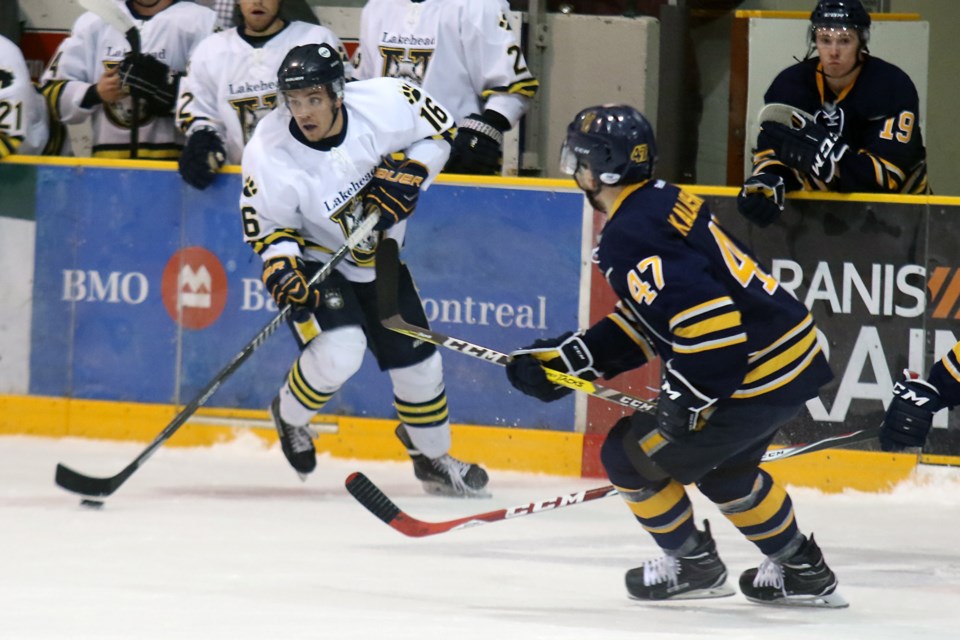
x,y
314,164
465,54
23,113
231,84
95,74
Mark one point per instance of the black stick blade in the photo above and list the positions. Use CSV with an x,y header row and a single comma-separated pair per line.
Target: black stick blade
x,y
370,496
388,278
76,482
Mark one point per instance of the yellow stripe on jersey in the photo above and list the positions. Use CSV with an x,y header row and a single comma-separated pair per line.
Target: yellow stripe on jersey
x,y
280,235
788,336
792,354
527,88
708,345
711,325
9,144
703,307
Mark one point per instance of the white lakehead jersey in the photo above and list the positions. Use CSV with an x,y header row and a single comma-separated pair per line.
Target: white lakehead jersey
x,y
302,199
23,114
231,84
462,51
93,47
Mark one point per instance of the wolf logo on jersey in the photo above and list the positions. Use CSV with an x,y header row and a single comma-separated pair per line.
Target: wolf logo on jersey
x,y
406,64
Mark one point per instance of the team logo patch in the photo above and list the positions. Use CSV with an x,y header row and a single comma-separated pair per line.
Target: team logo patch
x,y
639,153
6,78
588,119
333,299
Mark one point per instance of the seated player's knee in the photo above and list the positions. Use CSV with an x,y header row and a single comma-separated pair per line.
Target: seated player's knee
x,y
419,382
333,357
626,464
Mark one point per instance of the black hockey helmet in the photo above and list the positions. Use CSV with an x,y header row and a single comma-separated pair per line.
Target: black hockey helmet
x,y
614,141
841,14
311,65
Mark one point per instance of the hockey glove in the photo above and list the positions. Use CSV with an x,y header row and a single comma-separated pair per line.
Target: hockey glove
x,y
395,188
811,149
910,414
680,407
568,354
284,279
761,199
202,157
478,147
148,78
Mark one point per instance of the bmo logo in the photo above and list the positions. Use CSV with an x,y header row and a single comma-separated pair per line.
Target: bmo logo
x,y
194,288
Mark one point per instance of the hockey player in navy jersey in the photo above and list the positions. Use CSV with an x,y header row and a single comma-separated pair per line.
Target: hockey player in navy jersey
x,y
865,133
910,413
740,357
312,167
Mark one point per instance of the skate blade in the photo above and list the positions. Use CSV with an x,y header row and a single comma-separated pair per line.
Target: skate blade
x,y
719,591
445,490
829,601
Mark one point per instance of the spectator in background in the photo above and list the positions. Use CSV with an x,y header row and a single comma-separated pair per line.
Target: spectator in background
x,y
232,84
128,96
24,125
857,127
464,53
229,16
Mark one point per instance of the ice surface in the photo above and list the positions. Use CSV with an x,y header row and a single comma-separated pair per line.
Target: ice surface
x,y
226,542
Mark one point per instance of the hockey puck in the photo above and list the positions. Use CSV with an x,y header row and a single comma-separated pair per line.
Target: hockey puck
x,y
91,504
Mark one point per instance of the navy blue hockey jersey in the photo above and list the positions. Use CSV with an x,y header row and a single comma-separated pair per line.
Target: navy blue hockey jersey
x,y
702,301
877,116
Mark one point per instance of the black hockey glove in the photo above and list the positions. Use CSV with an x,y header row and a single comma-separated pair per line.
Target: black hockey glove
x,y
568,354
761,198
284,279
395,188
811,149
680,407
202,157
910,414
478,147
148,78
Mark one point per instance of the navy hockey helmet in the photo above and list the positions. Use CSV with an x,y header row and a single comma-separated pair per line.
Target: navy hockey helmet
x,y
614,141
841,14
312,65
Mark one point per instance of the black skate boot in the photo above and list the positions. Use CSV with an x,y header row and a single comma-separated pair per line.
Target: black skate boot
x,y
445,476
699,574
296,442
802,580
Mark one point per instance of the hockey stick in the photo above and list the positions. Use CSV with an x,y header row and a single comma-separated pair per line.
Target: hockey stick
x,y
376,501
784,114
110,12
92,486
388,273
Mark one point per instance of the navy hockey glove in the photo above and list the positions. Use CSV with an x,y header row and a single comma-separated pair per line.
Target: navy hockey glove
x,y
680,407
568,354
202,157
761,199
811,149
478,147
148,78
284,279
910,414
395,188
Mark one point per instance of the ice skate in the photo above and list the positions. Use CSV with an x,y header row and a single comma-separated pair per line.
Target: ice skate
x,y
699,574
802,580
296,442
445,475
